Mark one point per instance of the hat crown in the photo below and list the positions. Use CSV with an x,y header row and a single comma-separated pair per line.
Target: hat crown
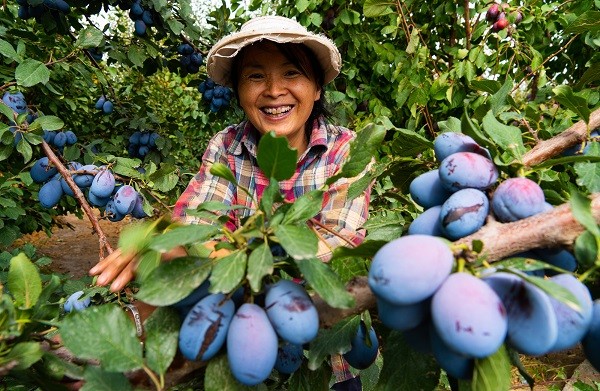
x,y
272,23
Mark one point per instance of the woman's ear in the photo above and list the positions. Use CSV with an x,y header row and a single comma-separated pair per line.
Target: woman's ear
x,y
318,94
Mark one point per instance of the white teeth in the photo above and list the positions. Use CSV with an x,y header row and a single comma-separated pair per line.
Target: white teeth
x,y
279,110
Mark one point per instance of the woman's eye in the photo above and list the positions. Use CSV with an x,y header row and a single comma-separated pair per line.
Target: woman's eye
x,y
293,72
255,76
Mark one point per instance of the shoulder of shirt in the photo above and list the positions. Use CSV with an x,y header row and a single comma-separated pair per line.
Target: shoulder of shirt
x,y
340,133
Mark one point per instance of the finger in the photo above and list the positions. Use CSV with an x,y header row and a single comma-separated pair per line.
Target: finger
x,y
102,264
114,269
124,277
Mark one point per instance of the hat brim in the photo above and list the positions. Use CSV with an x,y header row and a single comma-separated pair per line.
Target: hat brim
x,y
220,58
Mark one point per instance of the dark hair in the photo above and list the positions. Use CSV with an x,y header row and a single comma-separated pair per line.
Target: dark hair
x,y
301,57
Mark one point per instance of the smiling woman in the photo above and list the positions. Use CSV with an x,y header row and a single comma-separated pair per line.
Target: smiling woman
x,y
278,71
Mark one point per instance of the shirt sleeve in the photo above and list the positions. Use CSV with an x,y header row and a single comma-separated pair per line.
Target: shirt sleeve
x,y
342,218
205,186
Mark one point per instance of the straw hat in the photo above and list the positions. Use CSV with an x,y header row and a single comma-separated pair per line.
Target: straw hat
x,y
273,28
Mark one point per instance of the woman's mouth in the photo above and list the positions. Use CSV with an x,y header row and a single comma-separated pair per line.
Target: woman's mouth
x,y
277,110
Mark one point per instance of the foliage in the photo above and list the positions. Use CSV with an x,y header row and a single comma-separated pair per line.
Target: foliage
x,y
411,70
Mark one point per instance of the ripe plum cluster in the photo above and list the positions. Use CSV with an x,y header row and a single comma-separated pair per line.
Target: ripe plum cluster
x,y
258,338
142,17
218,96
141,143
36,9
190,59
98,185
497,15
456,197
459,318
104,104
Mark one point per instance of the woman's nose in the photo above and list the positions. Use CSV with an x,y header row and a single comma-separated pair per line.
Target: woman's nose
x,y
275,86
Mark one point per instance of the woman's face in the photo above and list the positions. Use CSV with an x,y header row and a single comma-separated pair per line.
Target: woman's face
x,y
275,94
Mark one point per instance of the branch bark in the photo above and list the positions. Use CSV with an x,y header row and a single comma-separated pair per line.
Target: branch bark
x,y
546,149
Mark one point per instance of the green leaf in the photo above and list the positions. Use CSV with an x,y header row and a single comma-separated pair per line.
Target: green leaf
x,y
588,21
589,76
498,100
335,340
223,171
554,290
493,372
362,150
8,51
24,281
137,55
586,250
90,37
410,143
506,137
25,150
326,283
25,354
404,368
375,8
31,72
162,333
218,377
47,122
270,196
588,174
260,264
304,208
103,333
565,96
97,379
181,275
183,235
275,158
582,211
228,272
489,86
298,241
305,379
7,111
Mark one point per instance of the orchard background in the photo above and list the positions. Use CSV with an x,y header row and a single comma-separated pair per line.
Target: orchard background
x,y
526,89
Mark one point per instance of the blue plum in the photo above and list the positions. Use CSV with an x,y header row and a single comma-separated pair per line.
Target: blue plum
x,y
410,269
517,198
112,213
251,345
401,317
71,137
532,324
591,340
42,170
419,338
97,201
445,144
85,180
469,316
138,209
16,101
455,364
363,352
572,324
107,107
427,223
103,184
463,170
291,312
50,193
60,140
74,303
289,358
100,102
72,166
125,199
427,189
205,327
464,213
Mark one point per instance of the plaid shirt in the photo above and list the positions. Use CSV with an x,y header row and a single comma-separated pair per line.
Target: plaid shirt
x,y
236,147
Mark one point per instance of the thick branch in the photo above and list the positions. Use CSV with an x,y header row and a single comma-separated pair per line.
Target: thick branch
x,y
557,144
554,228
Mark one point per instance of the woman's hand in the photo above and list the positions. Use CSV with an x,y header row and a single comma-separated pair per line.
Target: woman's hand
x,y
117,269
